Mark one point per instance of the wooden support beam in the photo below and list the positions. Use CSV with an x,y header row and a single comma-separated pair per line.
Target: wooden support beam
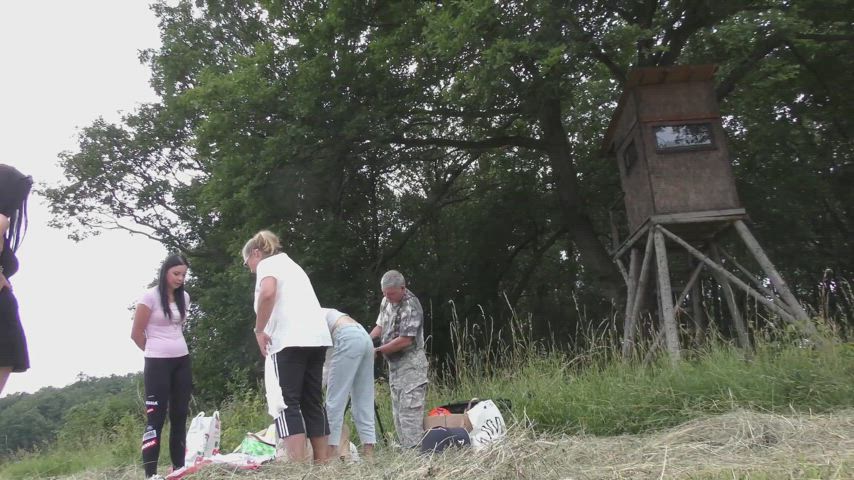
x,y
709,216
775,277
637,301
622,270
615,244
633,238
631,286
695,274
698,217
768,293
747,273
732,278
668,319
732,304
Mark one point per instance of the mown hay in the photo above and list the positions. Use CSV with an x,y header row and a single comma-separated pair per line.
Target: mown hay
x,y
741,444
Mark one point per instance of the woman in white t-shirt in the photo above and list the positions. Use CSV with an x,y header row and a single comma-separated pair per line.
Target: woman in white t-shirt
x,y
292,333
158,332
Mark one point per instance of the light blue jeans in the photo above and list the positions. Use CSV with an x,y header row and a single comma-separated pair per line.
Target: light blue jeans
x,y
351,375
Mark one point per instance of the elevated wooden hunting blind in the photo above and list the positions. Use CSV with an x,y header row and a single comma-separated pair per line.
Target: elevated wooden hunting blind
x,y
670,145
668,141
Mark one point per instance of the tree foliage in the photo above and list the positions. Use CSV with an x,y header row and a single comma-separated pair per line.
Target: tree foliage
x,y
457,141
79,410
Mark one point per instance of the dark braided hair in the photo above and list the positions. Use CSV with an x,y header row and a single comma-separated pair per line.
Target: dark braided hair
x,y
14,189
163,286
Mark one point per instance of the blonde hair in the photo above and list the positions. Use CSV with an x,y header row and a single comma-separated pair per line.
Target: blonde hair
x,y
265,241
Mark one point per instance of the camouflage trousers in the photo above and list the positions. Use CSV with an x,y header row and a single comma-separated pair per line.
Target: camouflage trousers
x,y
407,405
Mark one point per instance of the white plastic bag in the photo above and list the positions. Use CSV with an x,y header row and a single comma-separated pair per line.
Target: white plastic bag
x,y
202,438
487,424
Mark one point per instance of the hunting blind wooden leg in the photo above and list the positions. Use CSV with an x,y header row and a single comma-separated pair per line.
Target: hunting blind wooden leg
x,y
637,301
665,294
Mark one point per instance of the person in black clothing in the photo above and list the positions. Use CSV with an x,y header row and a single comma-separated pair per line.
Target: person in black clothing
x,y
14,190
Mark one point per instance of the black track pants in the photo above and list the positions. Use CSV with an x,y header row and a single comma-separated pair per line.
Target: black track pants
x,y
300,372
168,385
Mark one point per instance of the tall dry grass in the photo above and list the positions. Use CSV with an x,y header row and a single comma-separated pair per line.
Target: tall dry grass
x,y
739,444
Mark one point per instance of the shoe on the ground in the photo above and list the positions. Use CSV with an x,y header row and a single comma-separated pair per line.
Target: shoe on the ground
x,y
156,477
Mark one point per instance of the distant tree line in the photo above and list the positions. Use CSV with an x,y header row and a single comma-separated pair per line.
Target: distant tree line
x,y
89,406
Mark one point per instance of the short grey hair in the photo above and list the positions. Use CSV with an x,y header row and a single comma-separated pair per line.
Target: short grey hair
x,y
392,278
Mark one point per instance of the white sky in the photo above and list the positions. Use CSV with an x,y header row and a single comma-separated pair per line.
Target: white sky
x,y
60,69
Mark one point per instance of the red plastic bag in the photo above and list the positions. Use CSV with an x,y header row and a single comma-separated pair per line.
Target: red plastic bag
x,y
439,412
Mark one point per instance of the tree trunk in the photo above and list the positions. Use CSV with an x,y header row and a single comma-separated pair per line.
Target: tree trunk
x,y
594,256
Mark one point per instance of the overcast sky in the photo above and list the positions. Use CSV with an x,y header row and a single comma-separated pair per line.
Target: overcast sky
x,y
60,69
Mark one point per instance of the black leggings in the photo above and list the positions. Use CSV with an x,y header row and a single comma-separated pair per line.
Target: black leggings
x,y
168,385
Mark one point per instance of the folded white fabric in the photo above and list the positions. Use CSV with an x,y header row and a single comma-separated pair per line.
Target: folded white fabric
x,y
272,390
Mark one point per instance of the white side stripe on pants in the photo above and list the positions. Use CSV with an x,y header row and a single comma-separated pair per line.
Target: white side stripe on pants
x,y
281,424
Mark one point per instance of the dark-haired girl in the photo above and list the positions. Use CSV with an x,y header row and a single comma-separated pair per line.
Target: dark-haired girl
x,y
158,331
14,190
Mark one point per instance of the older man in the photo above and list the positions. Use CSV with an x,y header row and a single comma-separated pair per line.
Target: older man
x,y
400,325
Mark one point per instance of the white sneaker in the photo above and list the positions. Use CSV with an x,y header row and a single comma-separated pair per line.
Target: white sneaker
x,y
156,477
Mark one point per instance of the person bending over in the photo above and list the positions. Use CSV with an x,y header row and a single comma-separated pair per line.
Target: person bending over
x,y
351,377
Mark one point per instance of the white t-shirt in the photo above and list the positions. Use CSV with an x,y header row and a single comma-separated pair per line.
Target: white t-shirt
x,y
332,315
297,320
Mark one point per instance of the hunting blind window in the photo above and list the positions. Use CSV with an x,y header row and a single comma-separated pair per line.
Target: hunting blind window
x,y
692,136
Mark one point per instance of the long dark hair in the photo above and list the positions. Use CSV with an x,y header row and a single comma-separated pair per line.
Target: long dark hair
x,y
163,286
14,190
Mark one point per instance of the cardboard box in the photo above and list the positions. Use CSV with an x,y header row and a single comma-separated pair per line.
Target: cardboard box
x,y
454,420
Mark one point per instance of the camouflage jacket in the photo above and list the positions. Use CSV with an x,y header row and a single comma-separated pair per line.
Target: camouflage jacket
x,y
408,367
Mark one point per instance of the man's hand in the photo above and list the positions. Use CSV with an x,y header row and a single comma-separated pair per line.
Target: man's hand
x,y
4,283
377,344
395,345
263,342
